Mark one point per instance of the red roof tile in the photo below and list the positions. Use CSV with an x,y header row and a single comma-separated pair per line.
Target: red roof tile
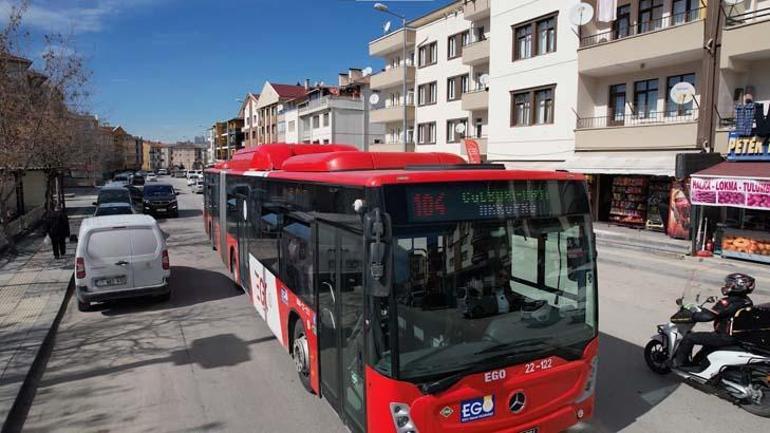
x,y
289,90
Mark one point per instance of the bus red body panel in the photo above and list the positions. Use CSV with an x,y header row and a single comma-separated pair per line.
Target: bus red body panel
x,y
551,399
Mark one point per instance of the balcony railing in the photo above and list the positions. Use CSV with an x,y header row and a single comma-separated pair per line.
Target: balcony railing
x,y
620,31
747,17
638,119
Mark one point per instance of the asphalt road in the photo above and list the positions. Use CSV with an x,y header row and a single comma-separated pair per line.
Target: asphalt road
x,y
205,362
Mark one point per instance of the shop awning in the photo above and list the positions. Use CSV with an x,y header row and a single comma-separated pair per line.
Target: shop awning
x,y
742,170
658,163
531,165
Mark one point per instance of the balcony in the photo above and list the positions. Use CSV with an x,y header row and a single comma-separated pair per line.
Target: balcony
x,y
475,10
393,77
476,100
327,102
648,131
391,43
392,114
745,40
673,39
476,53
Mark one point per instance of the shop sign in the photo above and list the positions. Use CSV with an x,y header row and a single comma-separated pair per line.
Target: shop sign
x,y
730,191
474,152
754,148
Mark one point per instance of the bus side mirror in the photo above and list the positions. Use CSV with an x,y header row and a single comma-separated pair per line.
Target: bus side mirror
x,y
377,238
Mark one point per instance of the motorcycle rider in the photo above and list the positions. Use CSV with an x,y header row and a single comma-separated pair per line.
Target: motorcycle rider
x,y
736,290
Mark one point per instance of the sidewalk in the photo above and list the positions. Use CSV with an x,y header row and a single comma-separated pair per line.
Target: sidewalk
x,y
638,239
33,288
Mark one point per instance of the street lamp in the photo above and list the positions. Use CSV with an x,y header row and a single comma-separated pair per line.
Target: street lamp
x,y
385,9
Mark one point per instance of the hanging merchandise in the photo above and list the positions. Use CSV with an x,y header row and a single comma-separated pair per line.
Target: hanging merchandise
x,y
608,10
629,200
679,211
744,119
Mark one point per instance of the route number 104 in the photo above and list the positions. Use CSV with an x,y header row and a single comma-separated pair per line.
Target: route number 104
x,y
533,367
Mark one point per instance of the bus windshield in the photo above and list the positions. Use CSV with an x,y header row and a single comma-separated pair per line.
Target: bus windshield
x,y
475,293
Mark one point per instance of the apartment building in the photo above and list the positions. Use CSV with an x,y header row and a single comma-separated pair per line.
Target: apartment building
x,y
186,155
270,102
128,147
389,85
235,135
333,114
249,112
532,82
219,140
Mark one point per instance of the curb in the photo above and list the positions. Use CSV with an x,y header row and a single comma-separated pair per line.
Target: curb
x,y
17,415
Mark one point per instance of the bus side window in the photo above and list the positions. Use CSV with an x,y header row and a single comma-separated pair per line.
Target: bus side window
x,y
297,263
265,246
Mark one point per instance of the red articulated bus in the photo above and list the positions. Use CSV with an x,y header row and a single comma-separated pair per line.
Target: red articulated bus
x,y
417,293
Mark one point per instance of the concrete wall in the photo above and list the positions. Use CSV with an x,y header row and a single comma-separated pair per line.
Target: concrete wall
x,y
553,142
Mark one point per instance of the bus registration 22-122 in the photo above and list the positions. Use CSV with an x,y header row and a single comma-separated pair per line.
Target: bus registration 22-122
x,y
534,367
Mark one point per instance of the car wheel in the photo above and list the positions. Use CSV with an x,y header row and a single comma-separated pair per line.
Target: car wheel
x,y
301,354
84,306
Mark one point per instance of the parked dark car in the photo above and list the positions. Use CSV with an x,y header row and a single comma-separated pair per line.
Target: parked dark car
x,y
114,209
113,193
160,199
137,180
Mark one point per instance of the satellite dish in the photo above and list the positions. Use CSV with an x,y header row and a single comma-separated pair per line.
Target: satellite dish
x,y
484,80
280,107
733,2
386,27
581,14
374,98
367,71
460,128
682,93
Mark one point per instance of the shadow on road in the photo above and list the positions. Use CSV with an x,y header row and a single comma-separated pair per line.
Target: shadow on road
x,y
189,286
626,388
190,213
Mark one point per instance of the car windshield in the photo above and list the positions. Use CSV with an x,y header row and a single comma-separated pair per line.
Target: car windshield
x,y
113,210
158,190
469,293
114,196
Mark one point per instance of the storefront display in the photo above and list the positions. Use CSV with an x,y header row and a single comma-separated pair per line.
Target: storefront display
x,y
629,200
679,211
746,244
657,202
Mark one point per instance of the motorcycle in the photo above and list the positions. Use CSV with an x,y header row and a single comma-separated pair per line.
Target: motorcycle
x,y
739,374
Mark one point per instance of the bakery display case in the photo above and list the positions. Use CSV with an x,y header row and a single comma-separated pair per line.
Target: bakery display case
x,y
746,244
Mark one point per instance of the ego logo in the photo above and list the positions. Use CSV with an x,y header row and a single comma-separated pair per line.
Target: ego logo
x,y
260,287
477,408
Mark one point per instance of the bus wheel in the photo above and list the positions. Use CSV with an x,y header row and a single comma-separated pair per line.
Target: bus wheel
x,y
301,355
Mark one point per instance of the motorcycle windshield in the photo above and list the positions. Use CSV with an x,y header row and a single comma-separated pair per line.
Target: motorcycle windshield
x,y
695,291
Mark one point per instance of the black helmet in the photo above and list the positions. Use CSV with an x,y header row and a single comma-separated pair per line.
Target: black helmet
x,y
738,284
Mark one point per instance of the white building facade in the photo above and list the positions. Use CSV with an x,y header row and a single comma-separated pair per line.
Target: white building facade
x,y
532,83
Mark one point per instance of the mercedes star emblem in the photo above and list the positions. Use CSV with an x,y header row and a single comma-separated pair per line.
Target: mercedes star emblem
x,y
517,402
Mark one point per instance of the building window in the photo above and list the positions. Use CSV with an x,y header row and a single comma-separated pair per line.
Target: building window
x,y
452,135
617,106
426,133
480,36
456,86
326,141
646,98
622,25
316,122
650,15
455,44
426,94
684,11
524,35
326,119
672,108
523,102
428,54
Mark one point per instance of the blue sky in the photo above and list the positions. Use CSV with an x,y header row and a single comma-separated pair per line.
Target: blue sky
x,y
164,69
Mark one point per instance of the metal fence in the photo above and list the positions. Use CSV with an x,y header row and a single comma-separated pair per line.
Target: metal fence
x,y
638,119
620,32
736,19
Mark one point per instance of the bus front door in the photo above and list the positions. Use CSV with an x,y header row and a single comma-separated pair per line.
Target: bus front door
x,y
341,316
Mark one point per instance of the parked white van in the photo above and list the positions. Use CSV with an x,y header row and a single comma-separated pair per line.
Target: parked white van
x,y
120,256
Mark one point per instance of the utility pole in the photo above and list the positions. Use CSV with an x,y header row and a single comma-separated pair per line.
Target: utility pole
x,y
712,44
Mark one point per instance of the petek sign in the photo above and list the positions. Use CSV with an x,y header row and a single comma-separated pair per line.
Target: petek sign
x,y
754,148
730,191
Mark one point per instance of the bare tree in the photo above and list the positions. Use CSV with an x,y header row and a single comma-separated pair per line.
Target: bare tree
x,y
38,127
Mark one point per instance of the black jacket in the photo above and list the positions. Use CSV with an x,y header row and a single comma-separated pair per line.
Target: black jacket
x,y
57,224
723,312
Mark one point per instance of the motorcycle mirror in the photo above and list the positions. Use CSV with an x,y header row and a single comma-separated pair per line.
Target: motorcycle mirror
x,y
711,299
679,301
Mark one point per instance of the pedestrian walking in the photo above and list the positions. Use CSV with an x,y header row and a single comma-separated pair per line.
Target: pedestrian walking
x,y
58,229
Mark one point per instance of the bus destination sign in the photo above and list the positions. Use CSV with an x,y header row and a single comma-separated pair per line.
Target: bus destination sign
x,y
456,202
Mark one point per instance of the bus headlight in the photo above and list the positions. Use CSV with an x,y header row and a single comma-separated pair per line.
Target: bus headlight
x,y
593,371
401,418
